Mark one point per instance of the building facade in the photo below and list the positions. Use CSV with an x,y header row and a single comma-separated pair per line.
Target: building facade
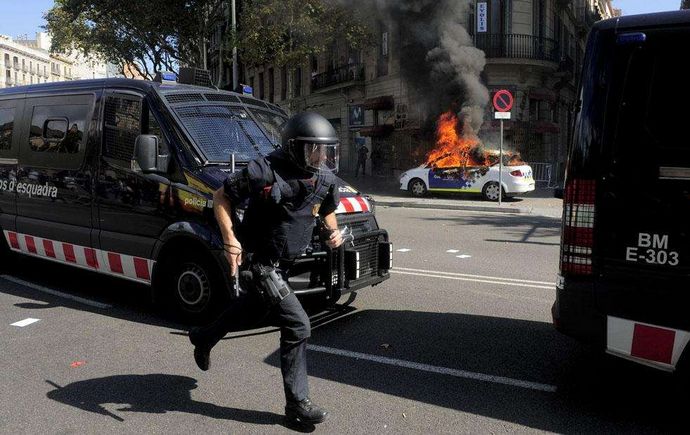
x,y
29,61
534,48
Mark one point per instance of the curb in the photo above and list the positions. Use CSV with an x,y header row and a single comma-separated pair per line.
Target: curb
x,y
512,210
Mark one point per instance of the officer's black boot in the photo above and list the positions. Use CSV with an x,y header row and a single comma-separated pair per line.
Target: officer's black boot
x,y
305,411
202,352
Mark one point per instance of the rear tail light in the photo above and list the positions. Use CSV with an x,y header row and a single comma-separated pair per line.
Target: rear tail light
x,y
516,173
578,227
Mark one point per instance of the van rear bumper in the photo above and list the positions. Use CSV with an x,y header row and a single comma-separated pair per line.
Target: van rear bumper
x,y
574,314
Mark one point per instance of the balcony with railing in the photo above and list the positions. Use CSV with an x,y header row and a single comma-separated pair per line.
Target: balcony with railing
x,y
516,46
345,75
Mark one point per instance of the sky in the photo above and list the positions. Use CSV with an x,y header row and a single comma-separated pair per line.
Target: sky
x,y
25,17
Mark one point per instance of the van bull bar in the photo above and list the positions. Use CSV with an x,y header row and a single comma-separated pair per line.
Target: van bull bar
x,y
364,262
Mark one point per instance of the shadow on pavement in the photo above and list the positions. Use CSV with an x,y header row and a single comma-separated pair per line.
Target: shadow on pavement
x,y
520,228
154,393
130,301
593,394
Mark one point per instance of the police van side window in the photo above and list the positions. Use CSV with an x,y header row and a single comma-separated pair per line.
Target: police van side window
x,y
6,125
122,126
58,129
57,134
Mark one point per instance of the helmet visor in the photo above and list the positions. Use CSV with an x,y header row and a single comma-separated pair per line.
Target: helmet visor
x,y
321,156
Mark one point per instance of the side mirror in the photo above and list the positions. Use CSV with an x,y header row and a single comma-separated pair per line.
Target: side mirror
x,y
146,154
558,193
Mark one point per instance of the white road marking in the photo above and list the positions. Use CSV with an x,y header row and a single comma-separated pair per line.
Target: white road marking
x,y
510,296
453,251
403,250
55,292
467,275
435,369
464,256
25,322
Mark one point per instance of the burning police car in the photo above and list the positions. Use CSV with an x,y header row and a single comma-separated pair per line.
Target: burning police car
x,y
460,163
517,178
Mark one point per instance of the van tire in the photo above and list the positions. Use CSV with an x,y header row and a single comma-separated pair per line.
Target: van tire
x,y
193,288
490,191
416,187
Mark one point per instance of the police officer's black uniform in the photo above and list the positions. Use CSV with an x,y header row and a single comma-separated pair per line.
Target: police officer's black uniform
x,y
284,201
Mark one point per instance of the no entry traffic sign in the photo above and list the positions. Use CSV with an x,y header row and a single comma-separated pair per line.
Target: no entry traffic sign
x,y
503,100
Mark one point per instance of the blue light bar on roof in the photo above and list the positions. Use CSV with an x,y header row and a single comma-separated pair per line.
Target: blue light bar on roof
x,y
168,78
630,38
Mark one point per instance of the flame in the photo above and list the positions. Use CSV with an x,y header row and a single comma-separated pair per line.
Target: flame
x,y
453,149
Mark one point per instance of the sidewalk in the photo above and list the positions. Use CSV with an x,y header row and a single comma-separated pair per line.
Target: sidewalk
x,y
386,192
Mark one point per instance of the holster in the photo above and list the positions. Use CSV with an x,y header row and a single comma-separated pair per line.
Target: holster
x,y
269,283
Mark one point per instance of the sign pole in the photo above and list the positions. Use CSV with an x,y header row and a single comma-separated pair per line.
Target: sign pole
x,y
503,102
500,168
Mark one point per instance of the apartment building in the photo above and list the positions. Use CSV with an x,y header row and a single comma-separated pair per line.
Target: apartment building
x,y
23,65
27,61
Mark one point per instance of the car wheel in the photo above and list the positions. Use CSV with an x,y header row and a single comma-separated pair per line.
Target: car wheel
x,y
491,192
196,290
417,187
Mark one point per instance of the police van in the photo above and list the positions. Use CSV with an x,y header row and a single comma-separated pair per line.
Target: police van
x,y
624,280
117,176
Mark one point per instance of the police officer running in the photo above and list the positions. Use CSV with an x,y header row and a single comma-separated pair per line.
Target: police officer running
x,y
288,192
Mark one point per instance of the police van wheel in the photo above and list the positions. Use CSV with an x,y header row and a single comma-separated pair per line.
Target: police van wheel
x,y
417,187
490,191
195,290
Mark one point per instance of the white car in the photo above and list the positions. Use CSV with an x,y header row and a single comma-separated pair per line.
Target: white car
x,y
470,179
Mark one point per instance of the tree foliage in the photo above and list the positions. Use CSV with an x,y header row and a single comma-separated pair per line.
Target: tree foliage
x,y
149,36
286,32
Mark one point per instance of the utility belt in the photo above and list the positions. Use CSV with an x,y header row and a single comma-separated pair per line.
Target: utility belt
x,y
264,279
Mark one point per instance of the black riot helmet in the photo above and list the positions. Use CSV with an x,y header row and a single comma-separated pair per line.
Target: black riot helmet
x,y
311,141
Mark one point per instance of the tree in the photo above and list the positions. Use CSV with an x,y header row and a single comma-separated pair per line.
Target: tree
x,y
287,32
149,36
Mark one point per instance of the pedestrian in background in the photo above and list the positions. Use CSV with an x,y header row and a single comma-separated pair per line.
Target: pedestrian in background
x,y
362,153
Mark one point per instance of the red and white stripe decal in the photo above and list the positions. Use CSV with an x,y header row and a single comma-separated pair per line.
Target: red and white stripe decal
x,y
111,263
353,204
648,344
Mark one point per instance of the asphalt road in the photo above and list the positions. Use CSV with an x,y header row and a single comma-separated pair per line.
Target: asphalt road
x,y
459,340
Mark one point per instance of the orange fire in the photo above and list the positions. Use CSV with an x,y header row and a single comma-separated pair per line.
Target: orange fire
x,y
453,149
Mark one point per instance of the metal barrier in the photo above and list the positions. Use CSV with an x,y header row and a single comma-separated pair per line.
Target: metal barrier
x,y
543,173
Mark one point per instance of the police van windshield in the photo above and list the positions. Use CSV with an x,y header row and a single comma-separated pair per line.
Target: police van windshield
x,y
272,122
220,131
